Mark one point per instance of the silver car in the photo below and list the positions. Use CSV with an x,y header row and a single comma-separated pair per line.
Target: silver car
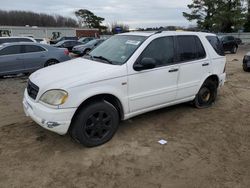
x,y
27,57
85,48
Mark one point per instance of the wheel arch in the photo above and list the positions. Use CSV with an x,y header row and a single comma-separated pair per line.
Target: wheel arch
x,y
112,99
212,77
51,59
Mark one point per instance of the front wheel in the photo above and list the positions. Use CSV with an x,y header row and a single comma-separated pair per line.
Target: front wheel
x,y
206,95
51,62
95,124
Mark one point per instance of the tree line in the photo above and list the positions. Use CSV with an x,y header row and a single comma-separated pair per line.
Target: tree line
x,y
220,15
22,18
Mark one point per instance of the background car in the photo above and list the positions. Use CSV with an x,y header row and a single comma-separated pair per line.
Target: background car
x,y
85,40
229,44
85,48
69,44
239,41
61,39
27,57
246,62
41,40
16,39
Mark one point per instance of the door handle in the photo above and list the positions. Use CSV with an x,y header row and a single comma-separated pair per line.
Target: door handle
x,y
42,56
19,58
173,70
205,64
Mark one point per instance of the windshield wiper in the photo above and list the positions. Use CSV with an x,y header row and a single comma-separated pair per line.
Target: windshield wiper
x,y
102,58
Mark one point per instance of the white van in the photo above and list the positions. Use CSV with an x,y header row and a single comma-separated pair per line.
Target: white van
x,y
127,75
16,39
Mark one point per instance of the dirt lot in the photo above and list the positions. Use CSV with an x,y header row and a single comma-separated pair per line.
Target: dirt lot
x,y
206,148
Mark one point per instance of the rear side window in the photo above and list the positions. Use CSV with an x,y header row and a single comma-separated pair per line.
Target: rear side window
x,y
189,48
160,49
10,50
216,44
32,48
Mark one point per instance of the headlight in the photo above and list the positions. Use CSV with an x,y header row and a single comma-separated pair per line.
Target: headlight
x,y
54,97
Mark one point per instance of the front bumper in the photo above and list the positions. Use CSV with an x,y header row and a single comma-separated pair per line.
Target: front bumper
x,y
55,120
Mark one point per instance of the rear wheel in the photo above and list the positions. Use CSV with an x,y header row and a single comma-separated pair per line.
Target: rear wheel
x,y
206,95
95,124
51,62
234,50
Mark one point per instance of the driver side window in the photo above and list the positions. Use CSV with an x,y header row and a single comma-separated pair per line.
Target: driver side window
x,y
161,50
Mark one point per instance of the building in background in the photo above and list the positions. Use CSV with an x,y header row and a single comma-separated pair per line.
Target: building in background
x,y
47,32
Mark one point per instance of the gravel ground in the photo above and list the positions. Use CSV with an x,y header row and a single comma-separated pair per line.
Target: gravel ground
x,y
206,148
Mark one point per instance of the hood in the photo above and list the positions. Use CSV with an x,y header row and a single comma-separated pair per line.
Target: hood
x,y
75,72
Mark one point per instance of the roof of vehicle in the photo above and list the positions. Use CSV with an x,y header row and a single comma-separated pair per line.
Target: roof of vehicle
x,y
147,34
16,37
23,43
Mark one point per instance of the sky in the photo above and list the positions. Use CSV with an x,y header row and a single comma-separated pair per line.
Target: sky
x,y
135,13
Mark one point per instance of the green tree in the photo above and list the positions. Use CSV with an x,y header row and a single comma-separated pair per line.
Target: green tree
x,y
247,23
217,15
88,19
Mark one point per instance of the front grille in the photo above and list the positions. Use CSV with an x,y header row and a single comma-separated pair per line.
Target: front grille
x,y
32,90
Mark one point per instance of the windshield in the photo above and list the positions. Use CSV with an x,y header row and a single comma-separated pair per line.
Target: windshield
x,y
118,49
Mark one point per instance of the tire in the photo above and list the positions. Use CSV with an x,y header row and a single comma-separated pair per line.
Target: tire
x,y
95,124
51,62
86,51
206,95
245,67
234,50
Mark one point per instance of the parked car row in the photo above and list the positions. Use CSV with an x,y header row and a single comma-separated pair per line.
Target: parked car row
x,y
27,57
26,54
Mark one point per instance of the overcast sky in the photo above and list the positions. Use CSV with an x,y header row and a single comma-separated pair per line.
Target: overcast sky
x,y
135,13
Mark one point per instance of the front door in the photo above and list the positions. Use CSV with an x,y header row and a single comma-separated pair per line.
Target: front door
x,y
10,60
156,86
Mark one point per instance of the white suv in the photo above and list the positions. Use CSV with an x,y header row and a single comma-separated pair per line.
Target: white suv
x,y
127,75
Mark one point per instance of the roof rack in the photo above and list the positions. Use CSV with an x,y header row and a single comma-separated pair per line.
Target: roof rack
x,y
160,31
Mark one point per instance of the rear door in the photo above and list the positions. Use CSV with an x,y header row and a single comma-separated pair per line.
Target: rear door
x,y
194,65
34,56
10,60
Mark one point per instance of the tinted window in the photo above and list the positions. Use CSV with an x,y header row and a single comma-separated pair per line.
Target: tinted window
x,y
10,50
216,44
32,48
189,48
160,49
230,38
201,53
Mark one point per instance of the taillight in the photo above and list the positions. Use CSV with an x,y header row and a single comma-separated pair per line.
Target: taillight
x,y
66,52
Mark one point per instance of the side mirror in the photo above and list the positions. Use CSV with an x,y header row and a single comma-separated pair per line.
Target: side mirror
x,y
145,64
